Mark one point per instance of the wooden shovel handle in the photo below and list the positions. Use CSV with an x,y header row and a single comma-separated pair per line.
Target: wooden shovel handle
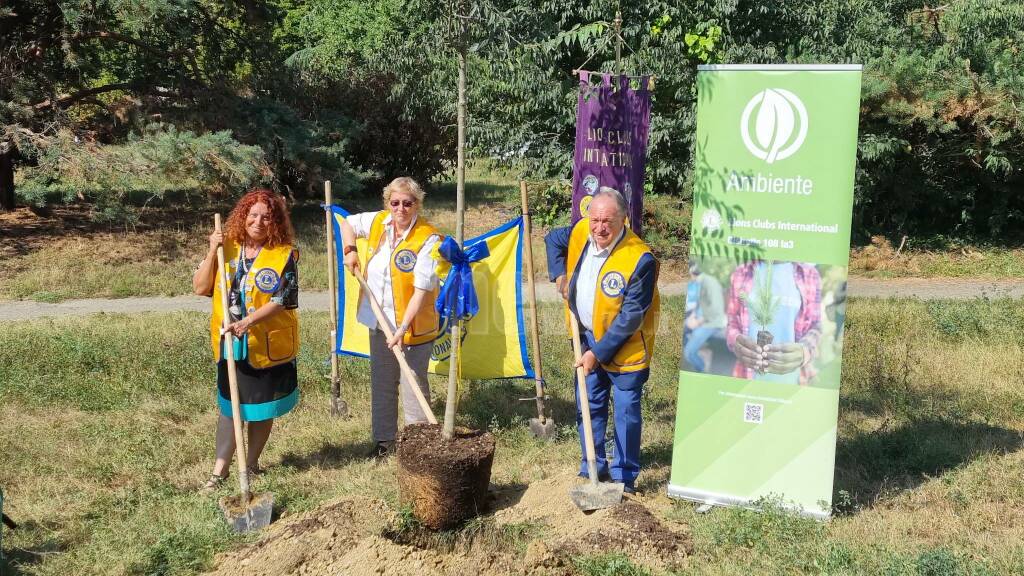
x,y
532,294
385,327
581,385
236,409
332,282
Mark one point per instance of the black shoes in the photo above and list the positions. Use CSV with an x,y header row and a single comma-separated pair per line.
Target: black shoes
x,y
607,477
601,477
382,450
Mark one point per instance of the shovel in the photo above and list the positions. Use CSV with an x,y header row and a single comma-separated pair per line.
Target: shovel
x,y
407,371
541,427
592,495
339,408
248,511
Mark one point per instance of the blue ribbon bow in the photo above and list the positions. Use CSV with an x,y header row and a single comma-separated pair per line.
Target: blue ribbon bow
x,y
457,298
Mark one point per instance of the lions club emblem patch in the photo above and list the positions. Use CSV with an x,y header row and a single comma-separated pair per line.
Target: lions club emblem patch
x,y
267,280
405,260
613,284
585,205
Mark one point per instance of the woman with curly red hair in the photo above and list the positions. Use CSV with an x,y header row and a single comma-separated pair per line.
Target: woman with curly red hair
x,y
262,305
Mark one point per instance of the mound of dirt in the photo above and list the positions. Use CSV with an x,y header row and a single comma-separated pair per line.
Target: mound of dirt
x,y
308,543
356,536
632,530
629,528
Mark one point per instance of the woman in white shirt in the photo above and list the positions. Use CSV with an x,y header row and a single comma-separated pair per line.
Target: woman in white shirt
x,y
401,274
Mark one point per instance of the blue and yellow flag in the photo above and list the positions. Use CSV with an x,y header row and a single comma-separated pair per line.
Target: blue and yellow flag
x,y
493,341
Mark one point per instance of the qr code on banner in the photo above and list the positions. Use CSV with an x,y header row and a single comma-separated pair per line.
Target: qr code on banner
x,y
753,413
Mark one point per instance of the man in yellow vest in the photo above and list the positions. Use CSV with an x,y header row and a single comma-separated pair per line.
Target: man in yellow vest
x,y
609,277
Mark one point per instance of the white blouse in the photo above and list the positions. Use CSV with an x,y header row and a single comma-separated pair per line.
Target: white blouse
x,y
378,269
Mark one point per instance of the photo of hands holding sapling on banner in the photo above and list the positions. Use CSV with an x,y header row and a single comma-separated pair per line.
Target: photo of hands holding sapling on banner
x,y
772,321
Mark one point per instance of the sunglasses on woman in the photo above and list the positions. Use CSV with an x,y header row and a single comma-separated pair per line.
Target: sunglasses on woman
x,y
405,203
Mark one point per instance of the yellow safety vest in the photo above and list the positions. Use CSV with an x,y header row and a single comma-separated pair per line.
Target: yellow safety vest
x,y
635,354
425,324
274,340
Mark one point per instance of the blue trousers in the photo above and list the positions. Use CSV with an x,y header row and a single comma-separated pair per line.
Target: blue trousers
x,y
698,337
625,391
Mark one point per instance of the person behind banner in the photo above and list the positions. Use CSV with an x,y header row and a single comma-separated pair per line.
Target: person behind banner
x,y
402,275
263,298
782,350
609,277
706,322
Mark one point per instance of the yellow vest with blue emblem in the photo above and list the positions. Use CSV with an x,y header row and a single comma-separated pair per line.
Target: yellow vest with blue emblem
x,y
635,354
425,324
274,340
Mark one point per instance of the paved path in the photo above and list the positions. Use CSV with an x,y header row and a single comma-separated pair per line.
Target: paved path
x,y
924,288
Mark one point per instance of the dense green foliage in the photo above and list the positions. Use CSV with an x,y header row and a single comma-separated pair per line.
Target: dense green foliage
x,y
942,128
360,91
349,51
76,77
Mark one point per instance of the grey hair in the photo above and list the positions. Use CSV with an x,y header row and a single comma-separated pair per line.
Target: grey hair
x,y
615,195
404,184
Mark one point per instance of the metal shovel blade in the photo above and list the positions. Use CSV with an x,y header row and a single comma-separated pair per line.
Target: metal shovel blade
x,y
250,516
339,408
592,496
543,430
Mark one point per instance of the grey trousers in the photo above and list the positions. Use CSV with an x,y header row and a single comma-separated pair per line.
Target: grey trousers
x,y
385,378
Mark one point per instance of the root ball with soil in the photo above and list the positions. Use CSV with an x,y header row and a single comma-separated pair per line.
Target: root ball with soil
x,y
444,480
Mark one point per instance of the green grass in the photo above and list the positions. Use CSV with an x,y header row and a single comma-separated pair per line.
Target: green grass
x,y
986,262
609,565
106,428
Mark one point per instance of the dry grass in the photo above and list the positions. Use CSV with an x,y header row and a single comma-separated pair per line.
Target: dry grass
x,y
66,256
880,259
103,265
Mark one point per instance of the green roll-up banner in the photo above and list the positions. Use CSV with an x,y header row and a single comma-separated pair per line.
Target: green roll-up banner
x,y
773,197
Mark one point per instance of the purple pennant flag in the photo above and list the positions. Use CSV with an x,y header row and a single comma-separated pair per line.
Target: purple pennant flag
x,y
611,142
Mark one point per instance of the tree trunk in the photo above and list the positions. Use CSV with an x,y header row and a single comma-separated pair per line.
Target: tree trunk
x,y
7,179
460,215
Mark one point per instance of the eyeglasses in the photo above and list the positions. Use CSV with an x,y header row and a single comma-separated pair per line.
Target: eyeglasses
x,y
405,203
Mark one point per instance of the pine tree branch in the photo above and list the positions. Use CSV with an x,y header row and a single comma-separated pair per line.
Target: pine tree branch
x,y
67,100
106,35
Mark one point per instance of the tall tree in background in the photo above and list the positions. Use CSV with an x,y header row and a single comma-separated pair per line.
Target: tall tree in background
x,y
377,60
942,125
